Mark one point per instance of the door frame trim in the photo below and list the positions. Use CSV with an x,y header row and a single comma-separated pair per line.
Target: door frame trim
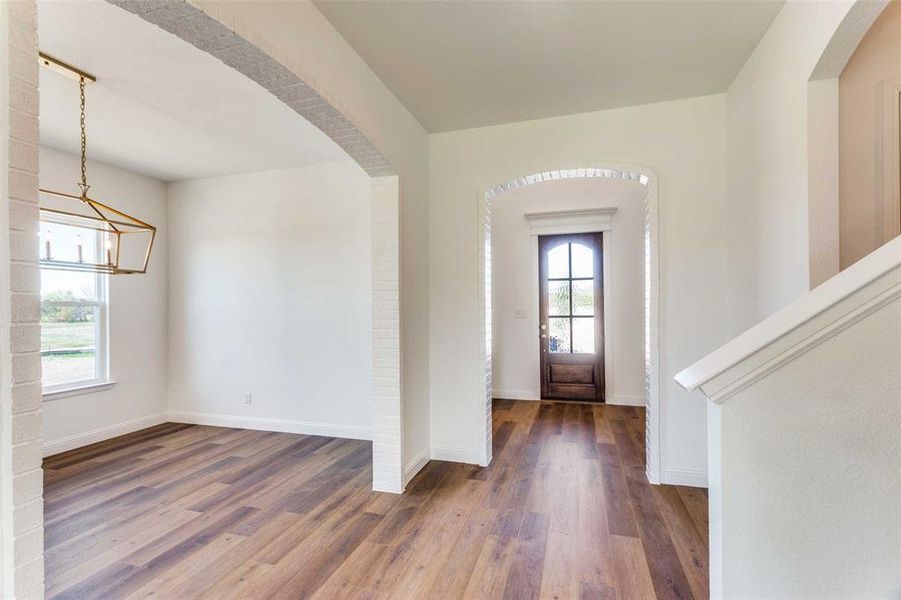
x,y
563,222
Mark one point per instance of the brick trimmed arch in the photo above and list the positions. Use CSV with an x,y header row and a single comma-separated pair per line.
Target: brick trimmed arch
x,y
651,284
191,24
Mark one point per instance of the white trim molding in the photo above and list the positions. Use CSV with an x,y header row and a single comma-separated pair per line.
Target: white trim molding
x,y
415,466
78,390
602,217
460,455
101,434
516,395
687,477
263,424
588,220
859,290
627,400
613,399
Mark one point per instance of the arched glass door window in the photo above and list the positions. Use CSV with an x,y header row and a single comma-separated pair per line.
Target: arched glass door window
x,y
571,305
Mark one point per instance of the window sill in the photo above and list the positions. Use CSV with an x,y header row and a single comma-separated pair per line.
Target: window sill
x,y
78,390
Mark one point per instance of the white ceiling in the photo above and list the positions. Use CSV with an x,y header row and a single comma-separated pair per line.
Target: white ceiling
x,y
458,63
162,107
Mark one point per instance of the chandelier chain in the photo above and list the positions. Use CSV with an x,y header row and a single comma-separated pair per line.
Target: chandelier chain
x,y
84,139
86,214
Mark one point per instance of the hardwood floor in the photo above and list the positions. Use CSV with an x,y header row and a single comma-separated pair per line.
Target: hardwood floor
x,y
564,511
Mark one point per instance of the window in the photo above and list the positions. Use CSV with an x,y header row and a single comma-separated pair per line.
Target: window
x,y
74,312
571,290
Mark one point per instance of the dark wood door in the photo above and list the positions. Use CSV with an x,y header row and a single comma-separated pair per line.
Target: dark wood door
x,y
571,316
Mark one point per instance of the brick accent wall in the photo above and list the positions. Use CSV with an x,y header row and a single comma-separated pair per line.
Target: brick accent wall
x,y
21,513
485,356
387,410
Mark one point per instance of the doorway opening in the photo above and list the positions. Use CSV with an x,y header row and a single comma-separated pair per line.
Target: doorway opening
x,y
588,218
571,300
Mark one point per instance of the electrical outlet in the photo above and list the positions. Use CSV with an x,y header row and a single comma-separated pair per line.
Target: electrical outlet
x,y
248,398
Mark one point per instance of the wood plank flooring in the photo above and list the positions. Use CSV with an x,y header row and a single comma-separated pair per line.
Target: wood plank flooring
x,y
564,511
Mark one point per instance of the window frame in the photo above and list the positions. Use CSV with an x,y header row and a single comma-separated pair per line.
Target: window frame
x,y
571,316
101,333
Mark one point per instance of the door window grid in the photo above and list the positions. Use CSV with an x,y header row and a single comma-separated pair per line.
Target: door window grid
x,y
562,326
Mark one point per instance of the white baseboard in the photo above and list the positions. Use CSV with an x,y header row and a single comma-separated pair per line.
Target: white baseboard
x,y
263,424
460,455
626,400
389,487
614,399
689,477
416,465
100,434
515,394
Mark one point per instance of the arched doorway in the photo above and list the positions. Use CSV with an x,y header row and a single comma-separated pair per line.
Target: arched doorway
x,y
205,31
599,169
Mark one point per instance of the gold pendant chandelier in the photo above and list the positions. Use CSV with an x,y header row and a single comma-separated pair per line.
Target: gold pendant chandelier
x,y
118,243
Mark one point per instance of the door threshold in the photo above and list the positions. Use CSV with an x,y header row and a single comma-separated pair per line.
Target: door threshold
x,y
573,401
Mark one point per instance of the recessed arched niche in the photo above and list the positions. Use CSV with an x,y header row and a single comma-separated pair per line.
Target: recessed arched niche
x,y
852,153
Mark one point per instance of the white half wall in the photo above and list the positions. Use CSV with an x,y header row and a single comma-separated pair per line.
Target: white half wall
x,y
137,317
805,453
811,458
683,143
270,295
515,372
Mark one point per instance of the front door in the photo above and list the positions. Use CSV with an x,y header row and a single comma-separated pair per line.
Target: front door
x,y
571,315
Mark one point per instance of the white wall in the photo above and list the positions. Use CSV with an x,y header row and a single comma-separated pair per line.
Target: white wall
x,y
270,295
683,143
514,286
299,36
138,314
877,59
767,200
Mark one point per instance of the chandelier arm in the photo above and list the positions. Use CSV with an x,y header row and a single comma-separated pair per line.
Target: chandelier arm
x,y
118,213
135,228
93,202
100,214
